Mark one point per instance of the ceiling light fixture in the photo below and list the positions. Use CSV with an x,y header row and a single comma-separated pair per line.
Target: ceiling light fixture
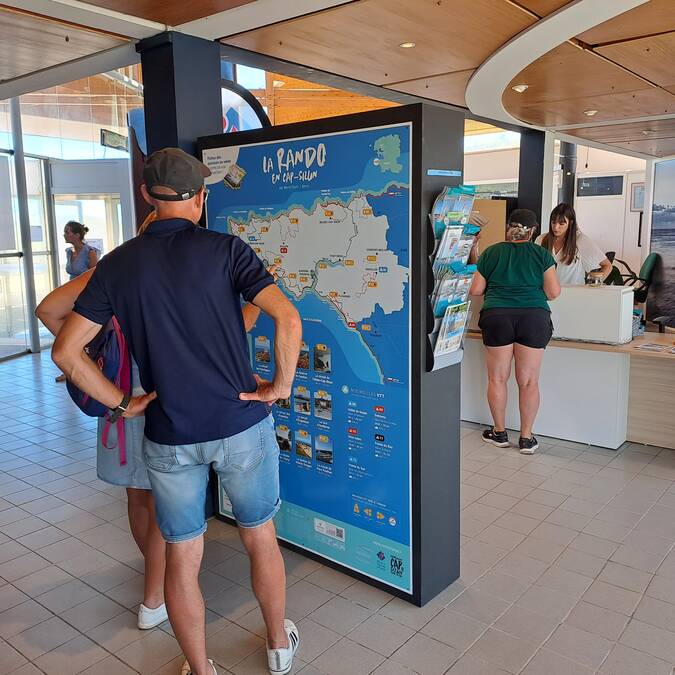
x,y
590,113
520,88
646,132
407,45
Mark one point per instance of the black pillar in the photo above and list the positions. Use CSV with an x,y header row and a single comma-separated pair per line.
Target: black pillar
x,y
568,166
181,81
182,101
531,171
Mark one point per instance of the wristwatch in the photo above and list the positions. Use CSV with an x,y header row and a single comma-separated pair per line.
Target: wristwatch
x,y
116,413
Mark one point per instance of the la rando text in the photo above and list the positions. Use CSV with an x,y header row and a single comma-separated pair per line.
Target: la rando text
x,y
289,165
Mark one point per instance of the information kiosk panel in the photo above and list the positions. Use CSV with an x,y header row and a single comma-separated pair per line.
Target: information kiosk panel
x,y
334,206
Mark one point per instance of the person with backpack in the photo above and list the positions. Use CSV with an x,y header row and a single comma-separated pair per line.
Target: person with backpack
x,y
176,292
119,455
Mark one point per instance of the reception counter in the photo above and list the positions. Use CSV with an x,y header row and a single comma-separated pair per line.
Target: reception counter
x,y
599,394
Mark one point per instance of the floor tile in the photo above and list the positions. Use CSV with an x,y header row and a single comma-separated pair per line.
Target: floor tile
x,y
598,620
10,659
70,594
624,660
43,637
232,645
547,662
22,617
468,665
22,566
314,640
526,624
10,597
454,629
149,653
585,647
381,635
481,606
625,577
612,597
340,615
409,615
92,613
71,657
109,666
504,650
650,639
117,633
662,588
547,601
425,655
347,656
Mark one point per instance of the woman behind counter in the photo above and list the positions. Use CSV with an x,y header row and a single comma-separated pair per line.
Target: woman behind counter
x,y
574,252
517,279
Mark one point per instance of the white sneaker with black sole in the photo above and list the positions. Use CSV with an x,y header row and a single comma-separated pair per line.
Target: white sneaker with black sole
x,y
280,661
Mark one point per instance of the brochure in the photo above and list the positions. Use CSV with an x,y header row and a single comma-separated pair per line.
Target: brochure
x,y
452,329
453,206
651,347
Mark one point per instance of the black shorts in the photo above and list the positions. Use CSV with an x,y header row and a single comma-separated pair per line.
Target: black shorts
x,y
529,326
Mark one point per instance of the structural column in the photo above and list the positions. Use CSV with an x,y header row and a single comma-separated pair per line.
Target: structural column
x,y
182,98
532,170
24,224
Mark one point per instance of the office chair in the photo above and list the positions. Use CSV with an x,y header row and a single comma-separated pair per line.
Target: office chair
x,y
640,282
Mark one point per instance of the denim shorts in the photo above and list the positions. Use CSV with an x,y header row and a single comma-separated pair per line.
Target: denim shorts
x,y
246,463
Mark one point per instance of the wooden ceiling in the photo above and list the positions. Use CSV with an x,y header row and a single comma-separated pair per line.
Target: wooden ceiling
x,y
171,12
361,40
622,68
20,34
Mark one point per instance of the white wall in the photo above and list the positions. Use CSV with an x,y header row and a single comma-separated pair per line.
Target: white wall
x,y
492,166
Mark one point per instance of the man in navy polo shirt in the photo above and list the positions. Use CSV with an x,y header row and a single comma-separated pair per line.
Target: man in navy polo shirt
x,y
176,291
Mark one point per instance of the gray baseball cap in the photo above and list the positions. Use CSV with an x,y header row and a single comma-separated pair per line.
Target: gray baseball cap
x,y
173,168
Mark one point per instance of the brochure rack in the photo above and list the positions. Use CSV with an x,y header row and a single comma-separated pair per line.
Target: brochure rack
x,y
369,467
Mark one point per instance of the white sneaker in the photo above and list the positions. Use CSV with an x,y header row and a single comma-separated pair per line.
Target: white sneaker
x,y
149,618
185,670
280,661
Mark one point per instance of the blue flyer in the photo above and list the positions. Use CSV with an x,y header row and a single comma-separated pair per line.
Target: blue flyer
x,y
333,213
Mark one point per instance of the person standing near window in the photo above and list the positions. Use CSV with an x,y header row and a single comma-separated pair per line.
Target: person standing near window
x,y
575,254
81,257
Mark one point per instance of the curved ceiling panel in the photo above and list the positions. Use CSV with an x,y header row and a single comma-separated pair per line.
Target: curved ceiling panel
x,y
361,40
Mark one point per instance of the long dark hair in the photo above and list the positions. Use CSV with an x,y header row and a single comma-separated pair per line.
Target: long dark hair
x,y
77,229
561,213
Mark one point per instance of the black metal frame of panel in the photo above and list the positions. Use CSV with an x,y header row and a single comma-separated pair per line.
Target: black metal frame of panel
x,y
437,147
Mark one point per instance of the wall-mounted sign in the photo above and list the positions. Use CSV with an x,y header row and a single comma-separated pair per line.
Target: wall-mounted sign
x,y
111,139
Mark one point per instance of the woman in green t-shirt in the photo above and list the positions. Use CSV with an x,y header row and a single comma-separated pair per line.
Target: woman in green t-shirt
x,y
517,279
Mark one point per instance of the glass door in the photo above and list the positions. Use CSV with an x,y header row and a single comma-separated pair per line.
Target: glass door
x,y
100,213
13,325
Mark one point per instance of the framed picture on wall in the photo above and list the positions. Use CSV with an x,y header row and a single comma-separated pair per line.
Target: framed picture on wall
x,y
637,197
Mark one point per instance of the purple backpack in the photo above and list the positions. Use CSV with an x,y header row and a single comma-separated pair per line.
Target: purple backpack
x,y
108,350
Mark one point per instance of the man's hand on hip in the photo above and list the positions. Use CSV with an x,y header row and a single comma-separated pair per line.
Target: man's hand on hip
x,y
138,404
266,392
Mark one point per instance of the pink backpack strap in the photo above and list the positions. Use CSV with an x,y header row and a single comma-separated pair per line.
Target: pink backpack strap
x,y
123,381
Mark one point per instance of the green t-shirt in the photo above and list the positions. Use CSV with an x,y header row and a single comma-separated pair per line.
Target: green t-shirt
x,y
515,275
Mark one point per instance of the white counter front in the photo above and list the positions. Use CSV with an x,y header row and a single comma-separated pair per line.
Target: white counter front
x,y
584,393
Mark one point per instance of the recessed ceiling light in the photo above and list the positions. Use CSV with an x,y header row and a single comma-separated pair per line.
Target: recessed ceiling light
x,y
646,132
590,113
277,84
407,45
520,88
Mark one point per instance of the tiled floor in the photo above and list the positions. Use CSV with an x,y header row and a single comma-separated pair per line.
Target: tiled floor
x,y
568,566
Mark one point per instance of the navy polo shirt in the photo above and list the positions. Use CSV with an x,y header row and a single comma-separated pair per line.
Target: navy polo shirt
x,y
176,291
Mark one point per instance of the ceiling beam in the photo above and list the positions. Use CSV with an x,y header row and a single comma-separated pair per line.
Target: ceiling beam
x,y
87,66
486,87
254,15
90,16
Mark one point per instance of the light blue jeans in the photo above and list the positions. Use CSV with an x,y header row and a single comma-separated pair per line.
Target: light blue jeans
x,y
246,463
